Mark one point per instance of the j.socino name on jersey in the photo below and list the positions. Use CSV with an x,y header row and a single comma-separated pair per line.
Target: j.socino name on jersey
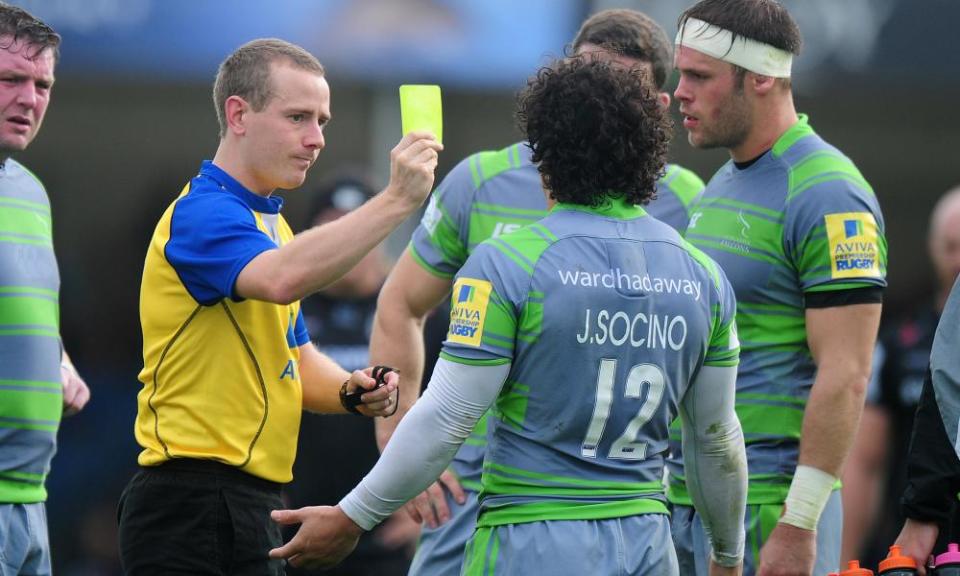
x,y
637,330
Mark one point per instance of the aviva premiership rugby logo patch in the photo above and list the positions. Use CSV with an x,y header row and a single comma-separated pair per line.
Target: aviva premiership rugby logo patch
x,y
854,250
468,311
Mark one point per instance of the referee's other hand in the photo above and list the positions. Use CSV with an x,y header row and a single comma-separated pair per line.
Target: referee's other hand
x,y
379,401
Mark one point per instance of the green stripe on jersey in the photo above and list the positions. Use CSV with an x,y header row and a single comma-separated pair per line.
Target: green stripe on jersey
x,y
33,311
823,166
683,183
531,318
480,556
765,421
566,510
486,165
447,240
17,202
511,405
425,265
37,409
762,326
474,361
25,222
508,476
794,134
759,491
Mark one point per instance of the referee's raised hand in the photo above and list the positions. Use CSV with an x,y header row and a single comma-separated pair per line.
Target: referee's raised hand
x,y
412,164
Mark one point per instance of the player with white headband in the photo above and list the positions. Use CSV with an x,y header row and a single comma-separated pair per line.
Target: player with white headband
x,y
799,233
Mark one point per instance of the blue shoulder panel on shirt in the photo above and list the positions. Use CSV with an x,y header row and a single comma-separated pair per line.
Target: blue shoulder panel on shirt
x,y
213,236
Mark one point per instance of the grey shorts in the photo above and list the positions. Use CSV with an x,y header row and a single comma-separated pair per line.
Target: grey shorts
x,y
24,544
629,546
440,551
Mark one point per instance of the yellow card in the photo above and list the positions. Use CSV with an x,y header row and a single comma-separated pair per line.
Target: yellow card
x,y
420,109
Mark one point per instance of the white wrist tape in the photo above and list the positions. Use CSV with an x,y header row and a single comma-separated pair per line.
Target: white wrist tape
x,y
808,495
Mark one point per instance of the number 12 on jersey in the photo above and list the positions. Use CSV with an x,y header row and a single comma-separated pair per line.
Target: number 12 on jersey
x,y
625,447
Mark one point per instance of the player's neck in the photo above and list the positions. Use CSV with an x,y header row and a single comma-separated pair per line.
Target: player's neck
x,y
229,159
769,124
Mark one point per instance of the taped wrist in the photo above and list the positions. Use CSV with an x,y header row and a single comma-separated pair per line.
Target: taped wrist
x,y
808,495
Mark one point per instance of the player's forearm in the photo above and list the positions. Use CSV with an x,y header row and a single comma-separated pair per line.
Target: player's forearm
x,y
832,415
830,423
397,341
323,254
407,297
426,441
715,461
321,379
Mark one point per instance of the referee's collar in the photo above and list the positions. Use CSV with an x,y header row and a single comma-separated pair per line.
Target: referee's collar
x,y
264,205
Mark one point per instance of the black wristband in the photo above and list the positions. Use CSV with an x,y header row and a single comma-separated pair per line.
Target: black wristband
x,y
350,400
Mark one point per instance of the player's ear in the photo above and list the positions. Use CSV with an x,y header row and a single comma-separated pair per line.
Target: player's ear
x,y
760,84
664,99
236,110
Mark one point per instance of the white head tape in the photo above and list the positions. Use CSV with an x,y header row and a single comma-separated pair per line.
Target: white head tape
x,y
719,43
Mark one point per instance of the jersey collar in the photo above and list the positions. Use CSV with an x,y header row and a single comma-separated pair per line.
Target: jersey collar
x,y
257,203
613,207
799,130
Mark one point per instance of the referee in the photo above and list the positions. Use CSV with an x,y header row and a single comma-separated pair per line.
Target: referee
x,y
228,363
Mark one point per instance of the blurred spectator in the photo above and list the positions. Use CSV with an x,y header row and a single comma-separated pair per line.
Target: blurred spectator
x,y
339,319
875,474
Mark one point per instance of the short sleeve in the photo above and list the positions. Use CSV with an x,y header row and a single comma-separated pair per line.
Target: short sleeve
x,y
483,311
724,347
834,234
297,334
439,243
212,238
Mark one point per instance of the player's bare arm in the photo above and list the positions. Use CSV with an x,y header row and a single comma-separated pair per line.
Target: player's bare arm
x,y
323,379
841,340
407,297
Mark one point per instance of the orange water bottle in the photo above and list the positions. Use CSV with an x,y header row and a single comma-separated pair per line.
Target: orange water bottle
x,y
896,564
854,569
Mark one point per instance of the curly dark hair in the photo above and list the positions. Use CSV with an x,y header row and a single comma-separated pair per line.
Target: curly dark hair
x,y
597,130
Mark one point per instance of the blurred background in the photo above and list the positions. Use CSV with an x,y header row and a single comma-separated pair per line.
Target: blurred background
x,y
131,118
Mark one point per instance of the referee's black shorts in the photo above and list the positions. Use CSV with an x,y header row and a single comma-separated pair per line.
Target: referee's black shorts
x,y
190,516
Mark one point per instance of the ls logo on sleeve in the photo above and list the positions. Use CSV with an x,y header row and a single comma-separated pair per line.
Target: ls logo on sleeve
x,y
854,250
468,311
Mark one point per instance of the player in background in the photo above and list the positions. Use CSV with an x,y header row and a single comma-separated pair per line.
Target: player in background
x,y
588,332
799,232
486,195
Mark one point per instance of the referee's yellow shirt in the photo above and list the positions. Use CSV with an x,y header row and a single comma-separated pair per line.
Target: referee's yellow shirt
x,y
220,376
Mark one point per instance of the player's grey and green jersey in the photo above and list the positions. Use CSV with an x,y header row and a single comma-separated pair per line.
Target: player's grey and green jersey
x,y
495,192
801,219
606,315
30,389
